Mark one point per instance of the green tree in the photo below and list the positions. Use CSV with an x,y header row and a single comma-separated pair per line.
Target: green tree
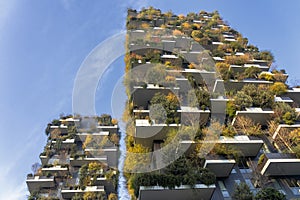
x,y
199,98
268,194
242,100
296,150
156,75
207,177
230,109
284,113
261,95
169,103
242,192
289,118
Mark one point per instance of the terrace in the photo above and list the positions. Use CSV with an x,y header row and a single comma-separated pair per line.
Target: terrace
x,y
248,146
237,85
219,165
36,183
146,132
258,115
183,192
280,164
69,192
241,68
294,94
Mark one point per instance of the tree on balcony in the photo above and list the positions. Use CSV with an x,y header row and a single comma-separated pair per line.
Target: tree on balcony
x,y
284,113
247,126
269,193
242,192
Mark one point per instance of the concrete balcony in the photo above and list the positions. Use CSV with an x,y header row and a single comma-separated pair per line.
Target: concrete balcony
x,y
294,94
78,162
59,170
69,192
141,96
36,183
248,146
99,135
241,68
237,84
258,115
280,164
284,128
146,132
111,154
183,192
63,129
110,129
219,165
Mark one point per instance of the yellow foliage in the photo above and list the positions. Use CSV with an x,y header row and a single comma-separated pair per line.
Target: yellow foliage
x,y
145,26
181,16
177,32
170,78
87,141
163,26
95,167
114,121
191,66
112,196
172,98
137,159
186,25
198,26
278,88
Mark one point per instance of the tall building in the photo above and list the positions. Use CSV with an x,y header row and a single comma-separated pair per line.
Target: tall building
x,y
207,117
79,161
206,111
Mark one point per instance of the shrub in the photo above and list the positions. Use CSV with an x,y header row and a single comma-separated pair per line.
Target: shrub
x,y
269,193
199,98
251,72
207,177
242,192
278,88
230,109
237,60
289,118
229,131
266,76
284,113
156,75
296,150
224,70
242,100
247,126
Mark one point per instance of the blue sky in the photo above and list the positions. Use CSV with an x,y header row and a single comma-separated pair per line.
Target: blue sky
x,y
43,43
